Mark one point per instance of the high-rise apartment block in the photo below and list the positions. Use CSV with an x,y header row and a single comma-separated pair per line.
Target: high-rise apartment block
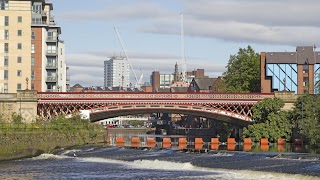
x,y
116,72
32,55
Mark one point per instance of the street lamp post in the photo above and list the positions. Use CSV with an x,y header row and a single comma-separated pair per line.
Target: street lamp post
x,y
27,82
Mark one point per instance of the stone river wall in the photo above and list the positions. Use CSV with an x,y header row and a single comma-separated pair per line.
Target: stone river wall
x,y
28,144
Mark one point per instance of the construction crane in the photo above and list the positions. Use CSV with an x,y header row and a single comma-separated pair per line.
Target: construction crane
x,y
138,82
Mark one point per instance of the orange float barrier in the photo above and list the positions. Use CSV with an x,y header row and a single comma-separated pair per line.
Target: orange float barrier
x,y
231,141
264,141
120,144
134,144
215,146
166,145
214,140
247,147
119,140
198,146
151,140
264,147
183,146
198,141
166,141
183,141
231,147
135,140
281,141
247,141
280,147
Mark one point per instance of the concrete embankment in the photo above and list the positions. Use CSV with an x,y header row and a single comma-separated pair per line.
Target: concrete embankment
x,y
27,144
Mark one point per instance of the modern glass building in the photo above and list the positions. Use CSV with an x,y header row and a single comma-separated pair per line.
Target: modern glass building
x,y
297,71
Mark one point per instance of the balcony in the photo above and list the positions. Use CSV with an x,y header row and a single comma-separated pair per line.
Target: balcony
x,y
52,39
51,79
51,66
68,79
51,53
39,23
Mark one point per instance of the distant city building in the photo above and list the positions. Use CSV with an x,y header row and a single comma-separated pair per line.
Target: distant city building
x,y
291,71
33,55
205,85
167,81
117,72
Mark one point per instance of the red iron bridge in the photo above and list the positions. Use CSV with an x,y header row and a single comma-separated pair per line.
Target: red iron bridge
x,y
228,107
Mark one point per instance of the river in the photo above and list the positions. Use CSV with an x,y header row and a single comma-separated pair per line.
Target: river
x,y
104,162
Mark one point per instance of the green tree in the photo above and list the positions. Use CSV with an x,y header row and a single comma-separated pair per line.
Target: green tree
x,y
306,118
243,72
270,121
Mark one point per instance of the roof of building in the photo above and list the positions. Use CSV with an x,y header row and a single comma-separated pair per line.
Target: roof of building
x,y
303,55
77,86
204,83
146,84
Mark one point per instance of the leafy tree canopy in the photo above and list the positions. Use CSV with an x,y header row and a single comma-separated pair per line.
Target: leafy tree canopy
x,y
243,72
271,122
306,117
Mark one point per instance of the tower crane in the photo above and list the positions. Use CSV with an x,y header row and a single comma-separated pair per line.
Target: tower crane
x,y
138,82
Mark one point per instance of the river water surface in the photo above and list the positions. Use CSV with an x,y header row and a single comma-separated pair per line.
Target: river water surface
x,y
99,162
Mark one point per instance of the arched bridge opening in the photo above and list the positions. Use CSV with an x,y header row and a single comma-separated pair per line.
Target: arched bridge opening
x,y
206,112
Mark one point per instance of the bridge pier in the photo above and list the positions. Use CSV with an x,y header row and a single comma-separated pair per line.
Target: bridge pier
x,y
23,103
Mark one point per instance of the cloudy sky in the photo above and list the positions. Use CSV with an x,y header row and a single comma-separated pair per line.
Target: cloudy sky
x,y
150,32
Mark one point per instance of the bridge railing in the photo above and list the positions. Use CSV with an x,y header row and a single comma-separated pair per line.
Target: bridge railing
x,y
144,96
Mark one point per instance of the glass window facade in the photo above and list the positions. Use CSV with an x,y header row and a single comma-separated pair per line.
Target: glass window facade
x,y
284,76
317,78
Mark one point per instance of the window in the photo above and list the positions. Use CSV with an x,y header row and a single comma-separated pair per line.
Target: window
x,y
36,8
6,75
4,5
19,59
19,32
6,20
6,34
32,61
33,35
5,88
305,81
32,48
36,21
32,86
18,86
19,46
6,61
51,49
32,75
19,19
305,68
6,47
19,73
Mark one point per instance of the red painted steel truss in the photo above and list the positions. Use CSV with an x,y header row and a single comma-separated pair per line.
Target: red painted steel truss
x,y
238,106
